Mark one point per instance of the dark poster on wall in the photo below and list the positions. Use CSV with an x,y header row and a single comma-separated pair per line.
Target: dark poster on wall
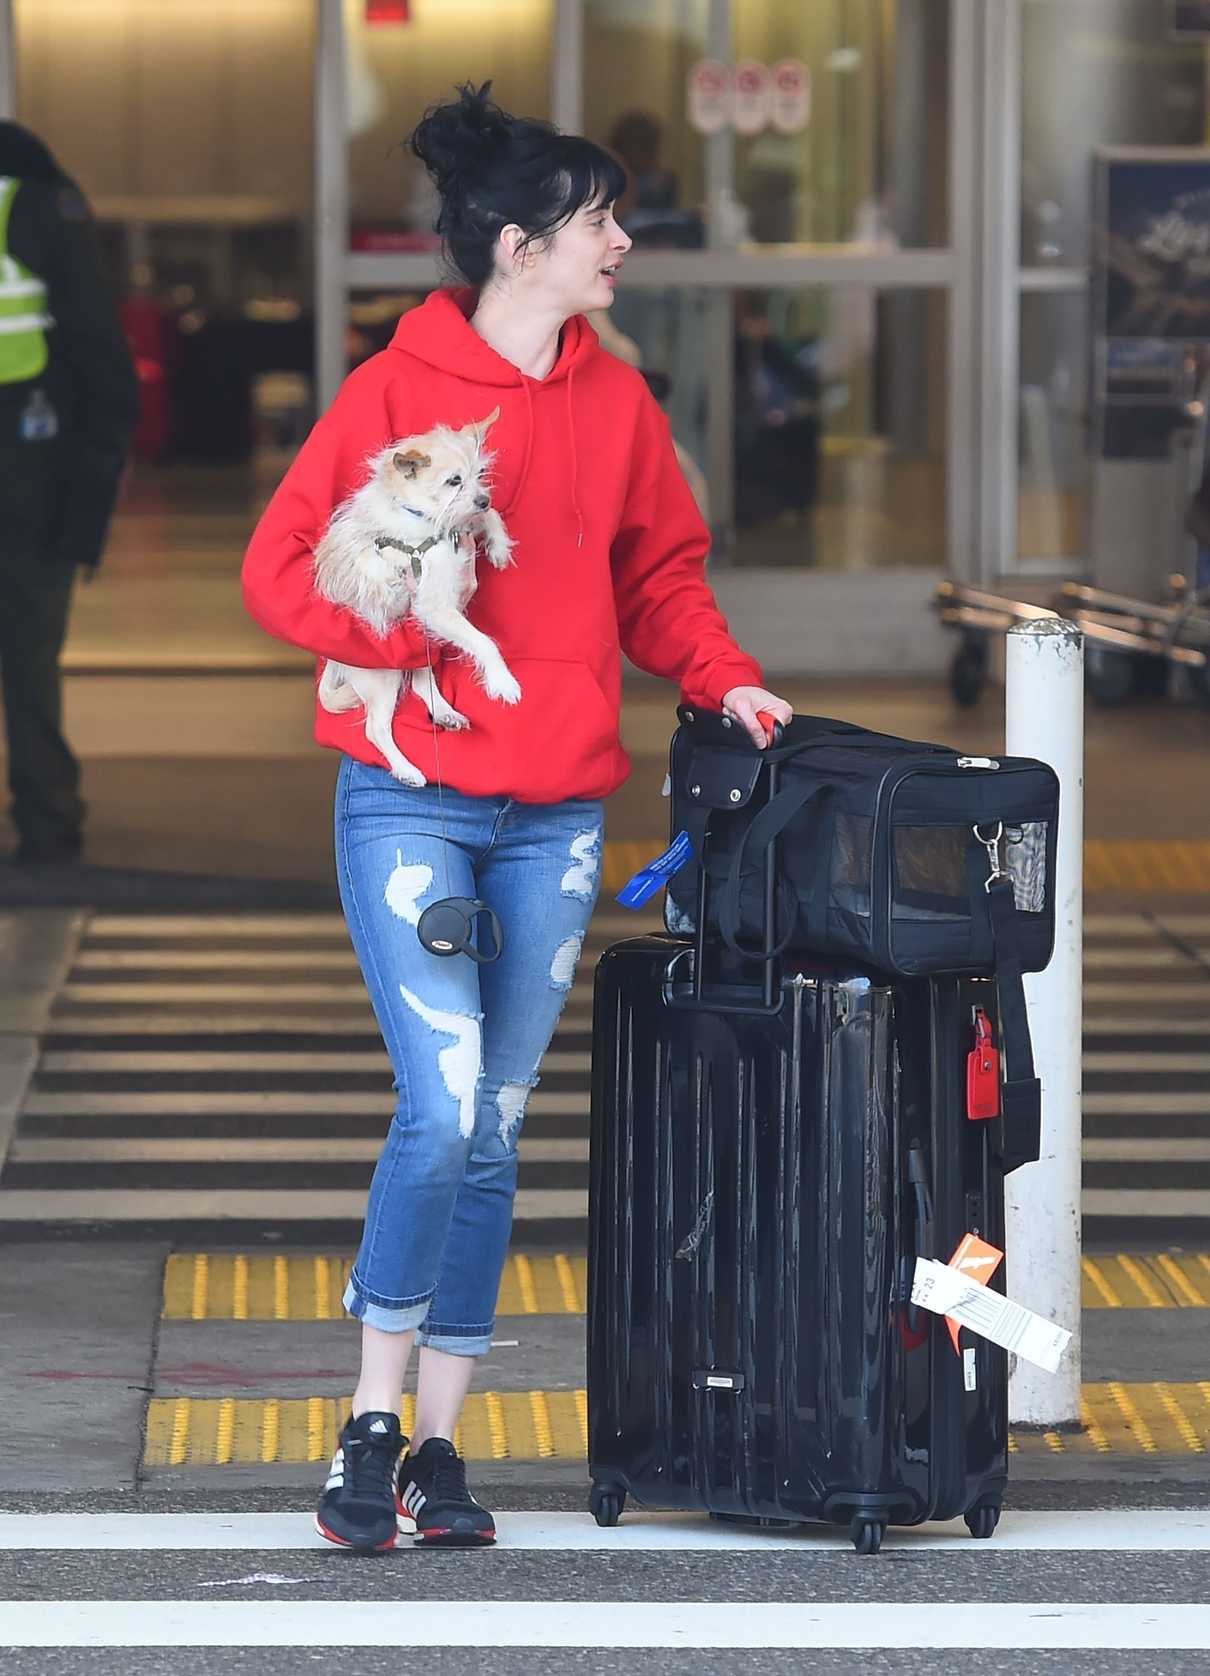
x,y
1189,20
1155,246
1151,313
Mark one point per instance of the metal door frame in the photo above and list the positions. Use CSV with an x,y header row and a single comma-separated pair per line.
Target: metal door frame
x,y
952,268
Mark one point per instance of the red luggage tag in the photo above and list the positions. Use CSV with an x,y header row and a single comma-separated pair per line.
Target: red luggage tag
x,y
983,1072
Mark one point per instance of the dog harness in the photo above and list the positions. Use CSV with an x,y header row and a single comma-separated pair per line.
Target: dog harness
x,y
414,553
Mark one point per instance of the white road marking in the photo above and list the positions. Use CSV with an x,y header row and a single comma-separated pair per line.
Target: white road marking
x,y
1194,1063
1153,1025
247,1021
600,1624
117,1204
1125,1530
179,960
1177,1202
1144,996
93,994
144,1060
1138,959
1135,1149
1195,1103
240,1150
209,1104
298,926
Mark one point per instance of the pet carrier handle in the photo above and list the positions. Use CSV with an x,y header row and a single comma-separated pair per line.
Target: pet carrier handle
x,y
763,832
718,1001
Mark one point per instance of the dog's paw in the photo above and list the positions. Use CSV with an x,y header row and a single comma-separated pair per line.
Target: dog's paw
x,y
407,774
500,553
502,684
453,719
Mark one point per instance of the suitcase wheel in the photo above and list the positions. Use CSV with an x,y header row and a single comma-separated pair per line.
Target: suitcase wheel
x,y
866,1534
981,1521
606,1505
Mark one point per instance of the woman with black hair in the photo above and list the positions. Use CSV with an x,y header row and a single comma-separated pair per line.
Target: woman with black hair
x,y
68,404
608,557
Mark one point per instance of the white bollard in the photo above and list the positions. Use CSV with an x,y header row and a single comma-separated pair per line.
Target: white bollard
x,y
1044,718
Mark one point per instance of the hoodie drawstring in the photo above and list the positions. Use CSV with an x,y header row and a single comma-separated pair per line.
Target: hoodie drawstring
x,y
529,448
575,464
529,439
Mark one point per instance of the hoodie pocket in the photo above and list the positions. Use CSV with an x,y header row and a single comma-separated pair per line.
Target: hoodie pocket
x,y
564,733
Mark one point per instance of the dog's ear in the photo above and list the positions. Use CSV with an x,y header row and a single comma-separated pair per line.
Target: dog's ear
x,y
482,426
411,462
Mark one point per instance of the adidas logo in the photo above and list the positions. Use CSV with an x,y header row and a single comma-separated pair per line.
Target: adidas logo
x,y
413,1498
379,1426
336,1472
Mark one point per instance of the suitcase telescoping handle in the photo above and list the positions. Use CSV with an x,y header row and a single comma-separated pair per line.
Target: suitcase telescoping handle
x,y
731,998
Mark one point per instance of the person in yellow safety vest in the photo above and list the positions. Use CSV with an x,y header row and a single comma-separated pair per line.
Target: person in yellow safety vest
x,y
68,405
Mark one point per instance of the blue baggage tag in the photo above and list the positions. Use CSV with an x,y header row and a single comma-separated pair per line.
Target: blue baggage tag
x,y
651,878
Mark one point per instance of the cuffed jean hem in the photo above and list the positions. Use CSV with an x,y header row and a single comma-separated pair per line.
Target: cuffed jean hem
x,y
380,1316
455,1344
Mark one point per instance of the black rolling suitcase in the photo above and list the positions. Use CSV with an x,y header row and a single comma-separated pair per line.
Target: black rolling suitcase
x,y
766,1167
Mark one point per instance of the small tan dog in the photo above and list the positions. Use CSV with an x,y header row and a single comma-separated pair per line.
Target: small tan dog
x,y
404,545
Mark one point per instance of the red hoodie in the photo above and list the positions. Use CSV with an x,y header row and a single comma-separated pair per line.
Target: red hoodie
x,y
609,557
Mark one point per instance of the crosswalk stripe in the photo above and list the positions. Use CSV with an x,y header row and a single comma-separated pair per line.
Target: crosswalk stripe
x,y
1195,989
1146,1205
82,1062
186,989
1134,1023
1195,1102
238,1149
1127,1530
148,1060
90,994
711,1625
1176,1149
105,1204
297,925
210,1103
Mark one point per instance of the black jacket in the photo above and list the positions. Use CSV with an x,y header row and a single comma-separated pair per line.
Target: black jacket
x,y
90,378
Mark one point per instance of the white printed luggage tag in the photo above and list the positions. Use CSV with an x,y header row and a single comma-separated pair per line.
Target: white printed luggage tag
x,y
946,1291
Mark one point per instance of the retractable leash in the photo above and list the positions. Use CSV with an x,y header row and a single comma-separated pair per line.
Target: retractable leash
x,y
447,927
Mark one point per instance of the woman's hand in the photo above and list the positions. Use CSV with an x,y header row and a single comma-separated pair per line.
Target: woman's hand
x,y
743,702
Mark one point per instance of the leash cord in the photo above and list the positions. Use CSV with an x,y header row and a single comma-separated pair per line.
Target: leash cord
x,y
445,842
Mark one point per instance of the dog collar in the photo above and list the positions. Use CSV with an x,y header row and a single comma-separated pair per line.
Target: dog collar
x,y
413,553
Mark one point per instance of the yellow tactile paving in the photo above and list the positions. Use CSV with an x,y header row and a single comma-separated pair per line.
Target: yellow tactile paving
x,y
222,1431
275,1286
240,1286
1147,1281
1110,864
1157,1419
1138,864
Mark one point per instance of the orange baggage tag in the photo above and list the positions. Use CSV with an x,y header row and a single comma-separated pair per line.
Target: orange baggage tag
x,y
974,1257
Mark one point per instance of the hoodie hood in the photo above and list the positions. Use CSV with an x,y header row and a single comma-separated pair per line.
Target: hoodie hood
x,y
440,334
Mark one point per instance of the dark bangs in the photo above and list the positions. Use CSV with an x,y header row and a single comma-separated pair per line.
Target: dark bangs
x,y
582,174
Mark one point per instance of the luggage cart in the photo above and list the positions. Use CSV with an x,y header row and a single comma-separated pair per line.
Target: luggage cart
x,y
1137,646
1131,646
981,619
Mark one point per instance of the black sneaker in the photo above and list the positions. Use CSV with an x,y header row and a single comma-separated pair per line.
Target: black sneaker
x,y
434,1503
357,1508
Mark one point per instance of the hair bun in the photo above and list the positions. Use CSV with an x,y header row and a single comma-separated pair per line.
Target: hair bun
x,y
457,141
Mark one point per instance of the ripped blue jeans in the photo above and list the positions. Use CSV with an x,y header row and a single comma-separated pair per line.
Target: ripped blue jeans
x,y
465,1040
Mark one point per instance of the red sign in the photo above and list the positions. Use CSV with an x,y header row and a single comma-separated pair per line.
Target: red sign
x,y
387,11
